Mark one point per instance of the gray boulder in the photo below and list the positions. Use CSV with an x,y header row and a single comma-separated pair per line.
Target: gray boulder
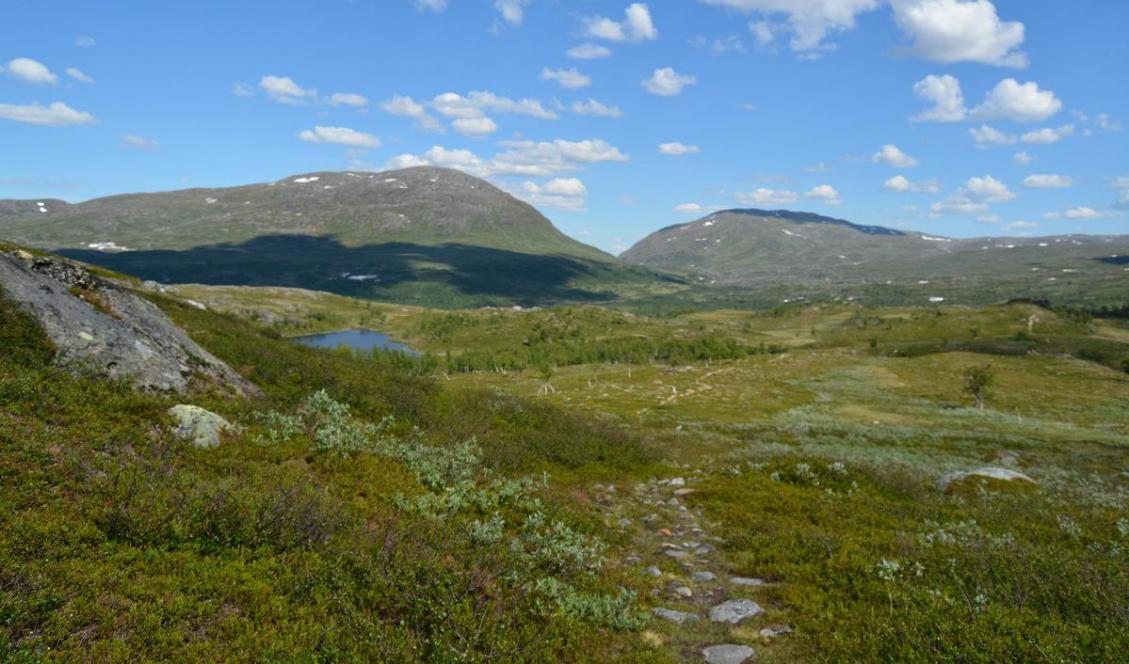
x,y
728,654
96,324
735,610
201,427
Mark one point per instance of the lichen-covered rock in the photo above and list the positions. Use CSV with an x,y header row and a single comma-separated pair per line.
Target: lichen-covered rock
x,y
97,325
201,427
728,654
735,610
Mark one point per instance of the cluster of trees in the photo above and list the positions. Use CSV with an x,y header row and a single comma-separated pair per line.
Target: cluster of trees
x,y
544,356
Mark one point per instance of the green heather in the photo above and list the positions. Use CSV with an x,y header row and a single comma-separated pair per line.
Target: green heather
x,y
459,506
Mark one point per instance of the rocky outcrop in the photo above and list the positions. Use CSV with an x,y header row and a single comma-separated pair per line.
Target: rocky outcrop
x,y
949,483
97,325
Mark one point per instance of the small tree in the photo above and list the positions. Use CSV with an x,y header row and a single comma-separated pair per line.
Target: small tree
x,y
977,382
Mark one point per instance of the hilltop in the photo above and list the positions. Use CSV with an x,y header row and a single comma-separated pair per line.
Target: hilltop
x,y
758,249
424,235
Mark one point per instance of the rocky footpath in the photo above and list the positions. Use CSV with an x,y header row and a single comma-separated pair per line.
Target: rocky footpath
x,y
693,594
97,325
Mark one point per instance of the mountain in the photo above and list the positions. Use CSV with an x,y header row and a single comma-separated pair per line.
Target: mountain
x,y
766,249
427,235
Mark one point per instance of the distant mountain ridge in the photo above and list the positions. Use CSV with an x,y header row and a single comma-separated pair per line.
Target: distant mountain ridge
x,y
423,235
754,248
423,205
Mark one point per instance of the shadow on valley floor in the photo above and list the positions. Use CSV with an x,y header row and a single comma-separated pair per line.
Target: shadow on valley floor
x,y
438,275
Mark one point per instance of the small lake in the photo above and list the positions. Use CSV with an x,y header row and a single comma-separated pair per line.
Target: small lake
x,y
362,340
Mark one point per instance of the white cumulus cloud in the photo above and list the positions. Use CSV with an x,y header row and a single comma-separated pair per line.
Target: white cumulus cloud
x,y
987,136
476,127
512,11
893,156
666,82
78,75
588,51
340,136
56,114
1041,181
809,21
825,194
636,26
135,142
1019,102
567,78
766,196
1048,135
678,149
945,94
348,99
901,183
560,193
284,90
593,107
949,31
31,71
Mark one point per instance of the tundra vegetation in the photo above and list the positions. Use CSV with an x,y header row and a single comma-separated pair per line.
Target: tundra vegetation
x,y
449,508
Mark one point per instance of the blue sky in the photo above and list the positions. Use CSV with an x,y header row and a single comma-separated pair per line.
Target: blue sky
x,y
956,117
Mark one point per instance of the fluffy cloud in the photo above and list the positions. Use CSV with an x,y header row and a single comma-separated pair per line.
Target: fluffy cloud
x,y
987,189
551,157
678,149
945,94
974,197
1020,102
1048,135
348,99
523,158
593,107
688,208
636,26
893,156
31,71
1079,212
410,108
340,136
512,11
567,78
78,75
903,184
825,194
561,193
1009,100
986,136
284,90
949,31
135,142
809,21
1022,159
588,51
57,114
478,103
765,196
1047,182
475,127
667,83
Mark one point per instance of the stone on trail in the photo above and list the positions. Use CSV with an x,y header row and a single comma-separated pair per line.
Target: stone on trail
x,y
773,631
735,610
728,654
677,617
653,571
703,576
746,581
203,428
